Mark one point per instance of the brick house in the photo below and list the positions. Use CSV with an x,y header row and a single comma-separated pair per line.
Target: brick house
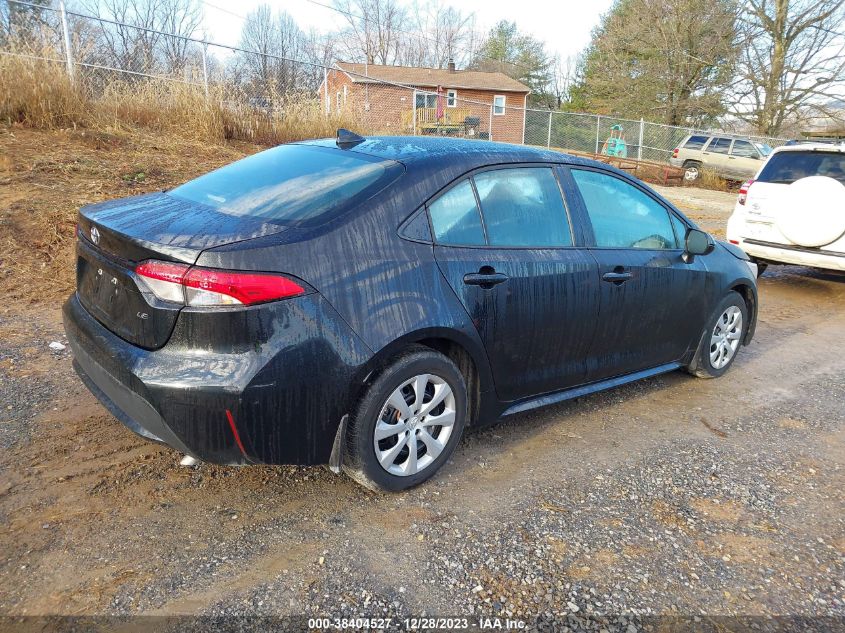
x,y
445,101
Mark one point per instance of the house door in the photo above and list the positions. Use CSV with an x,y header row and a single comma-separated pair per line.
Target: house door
x,y
425,110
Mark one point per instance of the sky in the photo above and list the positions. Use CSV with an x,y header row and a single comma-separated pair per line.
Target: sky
x,y
564,25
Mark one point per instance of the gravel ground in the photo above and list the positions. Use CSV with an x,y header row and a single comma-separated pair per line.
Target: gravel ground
x,y
673,497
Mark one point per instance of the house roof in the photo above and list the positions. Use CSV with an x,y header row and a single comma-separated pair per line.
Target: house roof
x,y
432,77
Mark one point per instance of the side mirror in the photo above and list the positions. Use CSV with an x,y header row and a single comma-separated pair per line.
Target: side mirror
x,y
696,243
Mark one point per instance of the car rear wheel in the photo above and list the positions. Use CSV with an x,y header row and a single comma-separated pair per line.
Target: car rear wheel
x,y
408,423
692,170
722,338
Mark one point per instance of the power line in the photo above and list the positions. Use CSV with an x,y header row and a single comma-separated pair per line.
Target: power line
x,y
232,13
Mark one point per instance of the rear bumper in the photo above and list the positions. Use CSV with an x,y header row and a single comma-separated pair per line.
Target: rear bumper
x,y
798,256
266,384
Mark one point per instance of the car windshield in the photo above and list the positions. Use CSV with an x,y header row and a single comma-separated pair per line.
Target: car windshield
x,y
787,167
764,148
290,184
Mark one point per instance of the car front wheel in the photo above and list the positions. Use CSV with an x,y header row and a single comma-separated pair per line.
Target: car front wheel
x,y
408,423
722,339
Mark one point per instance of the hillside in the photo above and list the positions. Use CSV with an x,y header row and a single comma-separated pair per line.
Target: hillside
x,y
46,175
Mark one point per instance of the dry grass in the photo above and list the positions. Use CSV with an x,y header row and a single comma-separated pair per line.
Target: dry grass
x,y
35,93
39,94
64,145
709,179
46,175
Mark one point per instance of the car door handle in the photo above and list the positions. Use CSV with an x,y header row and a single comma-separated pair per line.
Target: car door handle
x,y
617,277
485,280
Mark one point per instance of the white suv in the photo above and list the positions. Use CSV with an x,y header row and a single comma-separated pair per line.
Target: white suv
x,y
793,211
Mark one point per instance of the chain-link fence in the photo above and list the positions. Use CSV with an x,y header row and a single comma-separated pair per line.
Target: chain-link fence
x,y
282,83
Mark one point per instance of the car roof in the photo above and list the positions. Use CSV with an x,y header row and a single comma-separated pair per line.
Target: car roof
x,y
420,150
730,135
810,147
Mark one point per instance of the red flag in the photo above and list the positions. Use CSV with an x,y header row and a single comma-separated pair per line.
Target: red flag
x,y
439,103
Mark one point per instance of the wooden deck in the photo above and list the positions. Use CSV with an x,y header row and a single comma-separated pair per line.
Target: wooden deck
x,y
452,119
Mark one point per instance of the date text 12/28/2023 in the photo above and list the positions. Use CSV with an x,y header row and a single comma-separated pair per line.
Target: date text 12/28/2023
x,y
416,624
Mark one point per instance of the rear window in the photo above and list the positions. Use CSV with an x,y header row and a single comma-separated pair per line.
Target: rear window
x,y
290,184
695,142
787,167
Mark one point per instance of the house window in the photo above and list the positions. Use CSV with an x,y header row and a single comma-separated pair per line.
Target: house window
x,y
499,105
425,100
451,98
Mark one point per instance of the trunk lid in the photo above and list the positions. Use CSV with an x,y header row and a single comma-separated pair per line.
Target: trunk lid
x,y
113,237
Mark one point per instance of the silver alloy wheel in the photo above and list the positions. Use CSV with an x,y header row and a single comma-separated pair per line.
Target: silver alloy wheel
x,y
414,425
691,173
725,338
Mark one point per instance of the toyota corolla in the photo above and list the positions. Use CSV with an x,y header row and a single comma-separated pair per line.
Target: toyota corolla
x,y
360,302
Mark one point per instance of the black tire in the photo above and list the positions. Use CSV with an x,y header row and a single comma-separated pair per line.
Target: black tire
x,y
360,461
701,365
689,165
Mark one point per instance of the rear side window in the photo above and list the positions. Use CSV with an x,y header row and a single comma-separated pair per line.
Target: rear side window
x,y
744,149
291,183
719,145
695,142
787,167
455,217
622,216
523,207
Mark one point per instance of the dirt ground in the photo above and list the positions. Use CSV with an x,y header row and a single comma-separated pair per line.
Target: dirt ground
x,y
674,496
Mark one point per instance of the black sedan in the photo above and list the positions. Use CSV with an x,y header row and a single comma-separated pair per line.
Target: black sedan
x,y
359,302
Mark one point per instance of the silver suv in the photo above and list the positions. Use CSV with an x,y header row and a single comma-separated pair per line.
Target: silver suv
x,y
729,157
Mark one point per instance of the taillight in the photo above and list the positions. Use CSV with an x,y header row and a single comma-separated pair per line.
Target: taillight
x,y
675,152
743,191
164,279
210,287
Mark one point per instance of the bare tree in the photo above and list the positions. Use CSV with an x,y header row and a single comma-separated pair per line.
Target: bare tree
x,y
562,74
320,52
26,26
440,34
792,64
138,43
279,44
179,18
374,31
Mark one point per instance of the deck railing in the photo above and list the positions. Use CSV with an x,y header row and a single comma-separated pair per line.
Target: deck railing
x,y
427,118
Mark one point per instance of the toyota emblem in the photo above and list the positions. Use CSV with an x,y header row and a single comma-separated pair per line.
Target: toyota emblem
x,y
95,235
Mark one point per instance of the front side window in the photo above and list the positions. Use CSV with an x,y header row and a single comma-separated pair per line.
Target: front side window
x,y
695,142
451,98
455,217
744,149
523,207
499,104
622,215
719,145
